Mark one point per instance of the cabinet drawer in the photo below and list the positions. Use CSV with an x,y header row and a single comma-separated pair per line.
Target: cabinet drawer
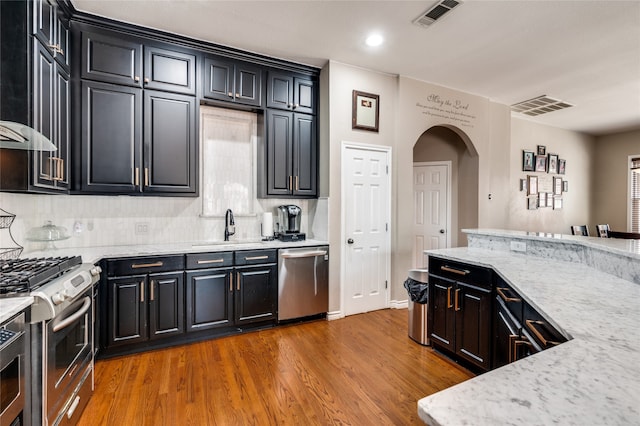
x,y
510,298
144,265
209,260
253,257
535,326
462,272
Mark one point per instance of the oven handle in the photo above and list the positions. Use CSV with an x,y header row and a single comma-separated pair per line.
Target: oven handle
x,y
71,319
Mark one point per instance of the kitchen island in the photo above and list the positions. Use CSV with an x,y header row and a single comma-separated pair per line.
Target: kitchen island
x,y
591,379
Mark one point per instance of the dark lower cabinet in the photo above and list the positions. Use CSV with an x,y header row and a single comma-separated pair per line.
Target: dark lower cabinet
x,y
256,294
460,317
145,307
209,299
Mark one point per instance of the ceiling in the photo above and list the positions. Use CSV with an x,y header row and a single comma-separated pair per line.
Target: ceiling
x,y
586,53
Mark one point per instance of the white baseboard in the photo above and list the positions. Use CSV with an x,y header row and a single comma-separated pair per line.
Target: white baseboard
x,y
335,315
399,304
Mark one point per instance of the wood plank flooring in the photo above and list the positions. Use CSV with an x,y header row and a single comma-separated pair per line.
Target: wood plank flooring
x,y
360,370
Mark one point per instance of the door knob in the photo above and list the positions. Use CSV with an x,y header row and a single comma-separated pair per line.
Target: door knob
x,y
442,231
350,241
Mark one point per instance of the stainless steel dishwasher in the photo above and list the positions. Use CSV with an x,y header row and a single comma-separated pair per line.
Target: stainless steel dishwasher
x,y
303,282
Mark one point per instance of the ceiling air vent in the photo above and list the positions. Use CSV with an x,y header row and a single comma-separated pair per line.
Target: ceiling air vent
x,y
540,105
436,12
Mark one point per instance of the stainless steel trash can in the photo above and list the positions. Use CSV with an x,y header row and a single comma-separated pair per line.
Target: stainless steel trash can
x,y
418,311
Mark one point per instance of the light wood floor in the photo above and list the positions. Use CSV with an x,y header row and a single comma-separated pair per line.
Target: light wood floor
x,y
360,370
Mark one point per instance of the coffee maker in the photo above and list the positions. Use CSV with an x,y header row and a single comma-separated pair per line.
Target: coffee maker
x,y
289,217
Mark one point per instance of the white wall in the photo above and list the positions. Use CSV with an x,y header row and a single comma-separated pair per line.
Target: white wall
x,y
579,150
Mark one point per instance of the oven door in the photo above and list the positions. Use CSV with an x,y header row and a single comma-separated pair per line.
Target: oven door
x,y
12,381
68,347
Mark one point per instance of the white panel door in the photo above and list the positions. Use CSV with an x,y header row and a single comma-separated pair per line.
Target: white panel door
x,y
430,210
366,204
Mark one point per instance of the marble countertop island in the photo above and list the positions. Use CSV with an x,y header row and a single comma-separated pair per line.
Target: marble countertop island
x,y
593,379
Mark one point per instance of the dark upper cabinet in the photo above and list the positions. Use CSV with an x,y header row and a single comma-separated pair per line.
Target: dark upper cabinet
x,y
291,155
111,59
169,70
286,91
169,143
232,81
111,141
35,92
136,140
119,59
51,28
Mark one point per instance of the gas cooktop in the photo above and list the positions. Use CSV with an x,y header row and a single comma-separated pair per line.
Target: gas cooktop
x,y
19,277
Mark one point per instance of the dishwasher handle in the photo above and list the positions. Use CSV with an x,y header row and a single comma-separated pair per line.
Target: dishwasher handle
x,y
300,254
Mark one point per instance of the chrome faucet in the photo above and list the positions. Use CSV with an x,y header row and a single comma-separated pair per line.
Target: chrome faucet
x,y
229,225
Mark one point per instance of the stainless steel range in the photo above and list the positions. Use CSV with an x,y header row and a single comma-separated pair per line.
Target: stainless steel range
x,y
61,318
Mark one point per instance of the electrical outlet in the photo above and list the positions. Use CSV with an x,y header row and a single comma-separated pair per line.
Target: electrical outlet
x,y
142,228
519,246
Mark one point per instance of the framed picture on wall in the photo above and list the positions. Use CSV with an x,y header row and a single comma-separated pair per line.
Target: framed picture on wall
x,y
532,203
565,186
542,199
523,184
557,186
541,163
557,203
552,166
532,185
562,166
542,150
365,111
528,161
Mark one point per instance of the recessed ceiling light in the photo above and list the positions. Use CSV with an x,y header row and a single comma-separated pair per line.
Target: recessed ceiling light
x,y
374,40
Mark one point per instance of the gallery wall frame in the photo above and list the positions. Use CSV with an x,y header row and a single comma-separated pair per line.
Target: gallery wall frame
x,y
365,111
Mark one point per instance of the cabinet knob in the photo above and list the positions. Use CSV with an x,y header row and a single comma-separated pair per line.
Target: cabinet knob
x,y
136,78
295,106
237,95
230,94
146,80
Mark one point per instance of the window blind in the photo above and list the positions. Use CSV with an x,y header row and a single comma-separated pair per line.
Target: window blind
x,y
635,194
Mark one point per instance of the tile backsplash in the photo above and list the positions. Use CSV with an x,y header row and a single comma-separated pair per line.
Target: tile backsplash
x,y
124,220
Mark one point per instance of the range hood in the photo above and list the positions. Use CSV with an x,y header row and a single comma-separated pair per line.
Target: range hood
x,y
18,136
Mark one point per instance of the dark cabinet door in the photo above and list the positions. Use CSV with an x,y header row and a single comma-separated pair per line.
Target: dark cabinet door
x,y
44,17
218,79
255,294
305,155
279,152
170,143
472,306
51,117
284,91
63,36
280,91
442,319
209,301
232,81
166,304
111,138
127,307
169,70
111,59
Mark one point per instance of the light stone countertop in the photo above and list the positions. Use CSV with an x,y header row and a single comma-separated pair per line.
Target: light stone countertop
x,y
95,254
593,379
13,305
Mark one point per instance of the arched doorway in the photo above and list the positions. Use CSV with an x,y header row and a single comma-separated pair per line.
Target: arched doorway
x,y
448,144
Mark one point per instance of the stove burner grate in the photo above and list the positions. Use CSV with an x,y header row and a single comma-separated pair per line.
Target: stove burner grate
x,y
19,277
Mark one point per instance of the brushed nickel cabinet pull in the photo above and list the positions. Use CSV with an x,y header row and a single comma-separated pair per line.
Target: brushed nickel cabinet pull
x,y
230,282
136,78
146,265
146,176
137,178
208,261
297,183
141,291
515,347
146,80
230,94
457,300
449,303
454,270
153,283
290,186
61,162
531,325
501,290
238,281
256,257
